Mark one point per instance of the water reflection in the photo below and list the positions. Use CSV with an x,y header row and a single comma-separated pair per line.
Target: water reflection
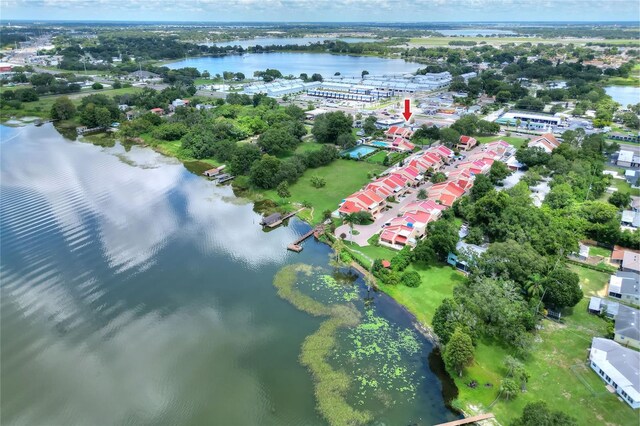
x,y
133,291
140,198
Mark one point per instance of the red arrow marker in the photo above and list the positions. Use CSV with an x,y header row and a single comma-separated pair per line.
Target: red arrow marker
x,y
407,110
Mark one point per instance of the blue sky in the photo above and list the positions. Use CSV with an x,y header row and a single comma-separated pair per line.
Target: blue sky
x,y
323,10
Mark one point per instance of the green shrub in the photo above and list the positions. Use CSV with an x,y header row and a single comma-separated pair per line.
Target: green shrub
x,y
411,279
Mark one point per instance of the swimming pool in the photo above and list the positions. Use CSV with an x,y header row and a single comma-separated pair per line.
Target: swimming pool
x,y
358,151
381,144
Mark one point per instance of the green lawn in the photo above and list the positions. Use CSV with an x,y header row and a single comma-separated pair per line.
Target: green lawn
x,y
174,149
622,186
343,177
42,107
599,251
378,157
556,364
373,252
308,147
517,142
438,281
557,369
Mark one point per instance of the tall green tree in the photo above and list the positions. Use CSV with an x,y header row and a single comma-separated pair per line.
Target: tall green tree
x,y
63,109
458,353
539,414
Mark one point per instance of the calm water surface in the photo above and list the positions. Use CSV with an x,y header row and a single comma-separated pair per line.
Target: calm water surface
x,y
269,41
133,291
474,32
624,95
297,63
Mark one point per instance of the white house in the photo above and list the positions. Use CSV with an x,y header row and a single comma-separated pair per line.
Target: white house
x,y
628,159
619,367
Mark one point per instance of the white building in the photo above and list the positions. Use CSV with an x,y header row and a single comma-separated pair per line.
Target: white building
x,y
628,159
619,367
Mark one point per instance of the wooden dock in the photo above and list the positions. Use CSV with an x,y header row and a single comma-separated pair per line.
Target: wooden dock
x,y
468,420
295,246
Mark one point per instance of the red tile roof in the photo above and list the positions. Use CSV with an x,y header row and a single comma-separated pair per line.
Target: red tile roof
x,y
466,140
447,200
349,207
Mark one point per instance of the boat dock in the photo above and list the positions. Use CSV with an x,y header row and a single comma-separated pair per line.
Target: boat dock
x,y
295,246
468,420
276,219
225,178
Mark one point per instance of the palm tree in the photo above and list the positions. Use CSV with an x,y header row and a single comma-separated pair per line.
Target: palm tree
x,y
534,286
350,219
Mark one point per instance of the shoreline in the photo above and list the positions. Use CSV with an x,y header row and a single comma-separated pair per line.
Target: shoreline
x,y
421,328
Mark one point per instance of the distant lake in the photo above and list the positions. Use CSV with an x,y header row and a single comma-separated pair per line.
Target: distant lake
x,y
297,63
474,32
624,95
285,41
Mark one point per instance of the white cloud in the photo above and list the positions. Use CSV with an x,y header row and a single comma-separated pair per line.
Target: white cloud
x,y
328,10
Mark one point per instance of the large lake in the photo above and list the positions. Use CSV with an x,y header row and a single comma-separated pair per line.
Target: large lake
x,y
297,63
269,41
134,292
474,32
624,95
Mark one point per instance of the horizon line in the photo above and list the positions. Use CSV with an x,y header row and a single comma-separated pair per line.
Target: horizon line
x,y
3,19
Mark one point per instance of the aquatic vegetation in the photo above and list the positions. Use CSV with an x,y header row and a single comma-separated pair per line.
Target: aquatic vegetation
x,y
376,342
371,351
285,282
331,385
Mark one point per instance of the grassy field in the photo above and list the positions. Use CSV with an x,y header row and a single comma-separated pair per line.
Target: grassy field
x,y
372,253
632,80
438,281
557,364
343,177
174,149
622,186
557,367
599,251
444,41
42,107
517,142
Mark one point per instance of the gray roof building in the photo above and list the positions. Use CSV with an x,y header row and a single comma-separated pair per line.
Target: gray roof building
x,y
608,307
630,218
619,367
627,324
631,261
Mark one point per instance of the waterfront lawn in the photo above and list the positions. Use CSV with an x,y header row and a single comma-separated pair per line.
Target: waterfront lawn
x,y
437,282
373,252
516,142
42,107
343,177
557,366
174,149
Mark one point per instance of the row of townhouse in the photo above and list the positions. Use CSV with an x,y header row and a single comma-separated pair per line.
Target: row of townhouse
x,y
411,224
396,183
413,220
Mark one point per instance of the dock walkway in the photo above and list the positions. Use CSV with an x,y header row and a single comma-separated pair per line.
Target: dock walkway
x,y
468,420
295,246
